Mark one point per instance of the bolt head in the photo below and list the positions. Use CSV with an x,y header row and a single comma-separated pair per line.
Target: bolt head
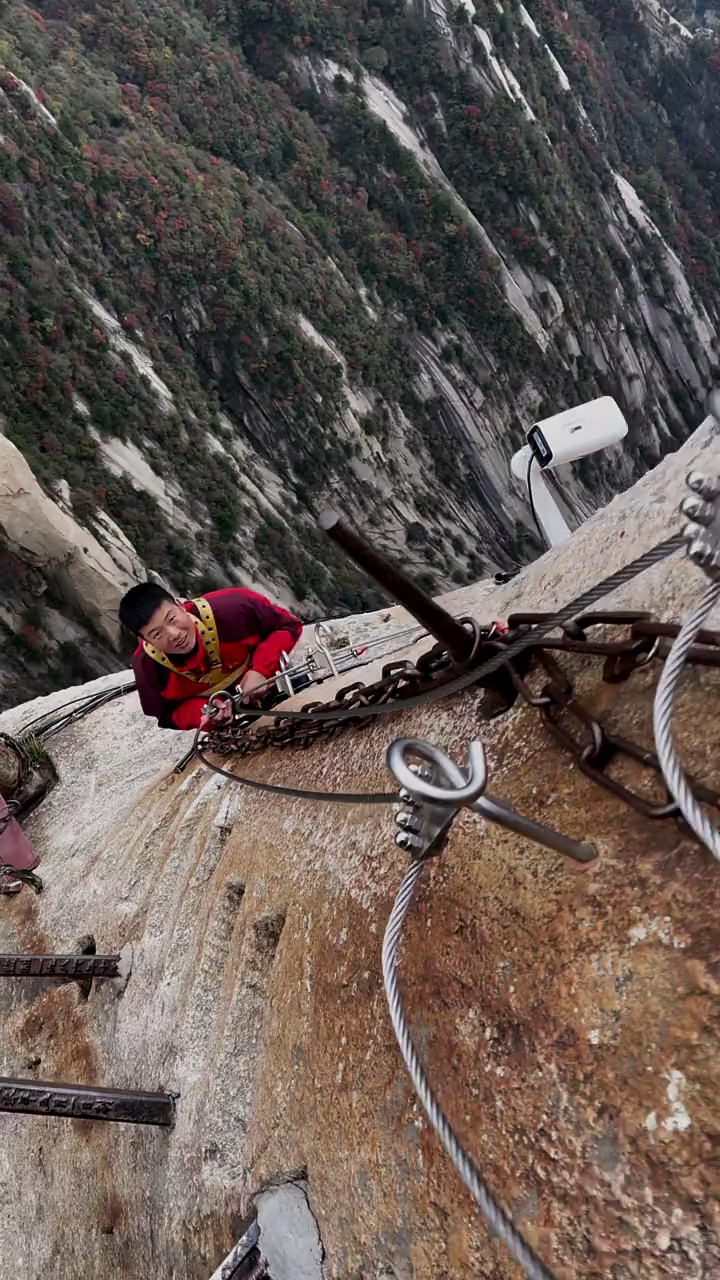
x,y
698,510
408,842
695,533
701,552
695,480
408,821
407,797
712,564
705,486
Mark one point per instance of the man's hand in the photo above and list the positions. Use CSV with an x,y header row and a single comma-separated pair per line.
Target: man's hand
x,y
251,685
222,714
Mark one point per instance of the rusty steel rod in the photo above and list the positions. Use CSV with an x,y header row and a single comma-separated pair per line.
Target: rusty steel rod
x,y
245,1261
71,967
441,624
78,1102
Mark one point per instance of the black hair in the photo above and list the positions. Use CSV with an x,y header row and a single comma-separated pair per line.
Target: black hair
x,y
139,604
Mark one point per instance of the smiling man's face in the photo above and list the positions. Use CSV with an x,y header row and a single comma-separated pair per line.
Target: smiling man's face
x,y
170,629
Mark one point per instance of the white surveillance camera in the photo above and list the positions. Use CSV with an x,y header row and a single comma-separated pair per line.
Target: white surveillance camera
x,y
564,438
576,432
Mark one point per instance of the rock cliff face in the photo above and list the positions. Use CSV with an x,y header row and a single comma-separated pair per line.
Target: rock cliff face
x,y
36,529
60,587
568,1021
257,262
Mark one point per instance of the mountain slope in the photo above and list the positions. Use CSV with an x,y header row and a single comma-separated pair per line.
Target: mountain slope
x,y
257,258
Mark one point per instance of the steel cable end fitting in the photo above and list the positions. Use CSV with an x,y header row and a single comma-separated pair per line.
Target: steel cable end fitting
x,y
427,807
322,636
702,534
425,818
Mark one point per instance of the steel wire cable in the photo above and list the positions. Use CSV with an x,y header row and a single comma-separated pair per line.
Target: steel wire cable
x,y
493,1212
581,604
673,773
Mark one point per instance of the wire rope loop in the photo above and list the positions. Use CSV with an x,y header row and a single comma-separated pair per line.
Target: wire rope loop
x,y
462,789
293,793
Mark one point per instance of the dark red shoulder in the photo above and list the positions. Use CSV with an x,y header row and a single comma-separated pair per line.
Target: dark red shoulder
x,y
243,614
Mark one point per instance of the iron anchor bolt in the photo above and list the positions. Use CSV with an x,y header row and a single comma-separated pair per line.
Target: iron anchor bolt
x,y
409,821
698,510
704,487
408,842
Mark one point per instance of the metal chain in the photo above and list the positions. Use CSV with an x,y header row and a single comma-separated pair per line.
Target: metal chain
x,y
475,674
495,1215
398,682
677,782
592,745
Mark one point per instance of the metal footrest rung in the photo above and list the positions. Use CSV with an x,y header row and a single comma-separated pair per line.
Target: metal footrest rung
x,y
80,1102
71,967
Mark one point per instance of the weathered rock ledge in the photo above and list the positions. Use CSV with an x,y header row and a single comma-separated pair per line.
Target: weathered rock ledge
x,y
569,1021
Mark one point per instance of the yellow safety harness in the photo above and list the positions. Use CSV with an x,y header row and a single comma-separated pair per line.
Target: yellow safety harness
x,y
207,631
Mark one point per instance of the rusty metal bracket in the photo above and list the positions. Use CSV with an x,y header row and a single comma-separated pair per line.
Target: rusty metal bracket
x,y
69,967
77,1102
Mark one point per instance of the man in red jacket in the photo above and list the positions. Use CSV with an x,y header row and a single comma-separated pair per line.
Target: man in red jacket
x,y
229,639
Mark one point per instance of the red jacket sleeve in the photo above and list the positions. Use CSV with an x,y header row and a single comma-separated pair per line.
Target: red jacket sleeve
x,y
187,714
266,658
242,614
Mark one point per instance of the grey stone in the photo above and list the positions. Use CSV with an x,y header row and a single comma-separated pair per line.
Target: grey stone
x,y
289,1236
